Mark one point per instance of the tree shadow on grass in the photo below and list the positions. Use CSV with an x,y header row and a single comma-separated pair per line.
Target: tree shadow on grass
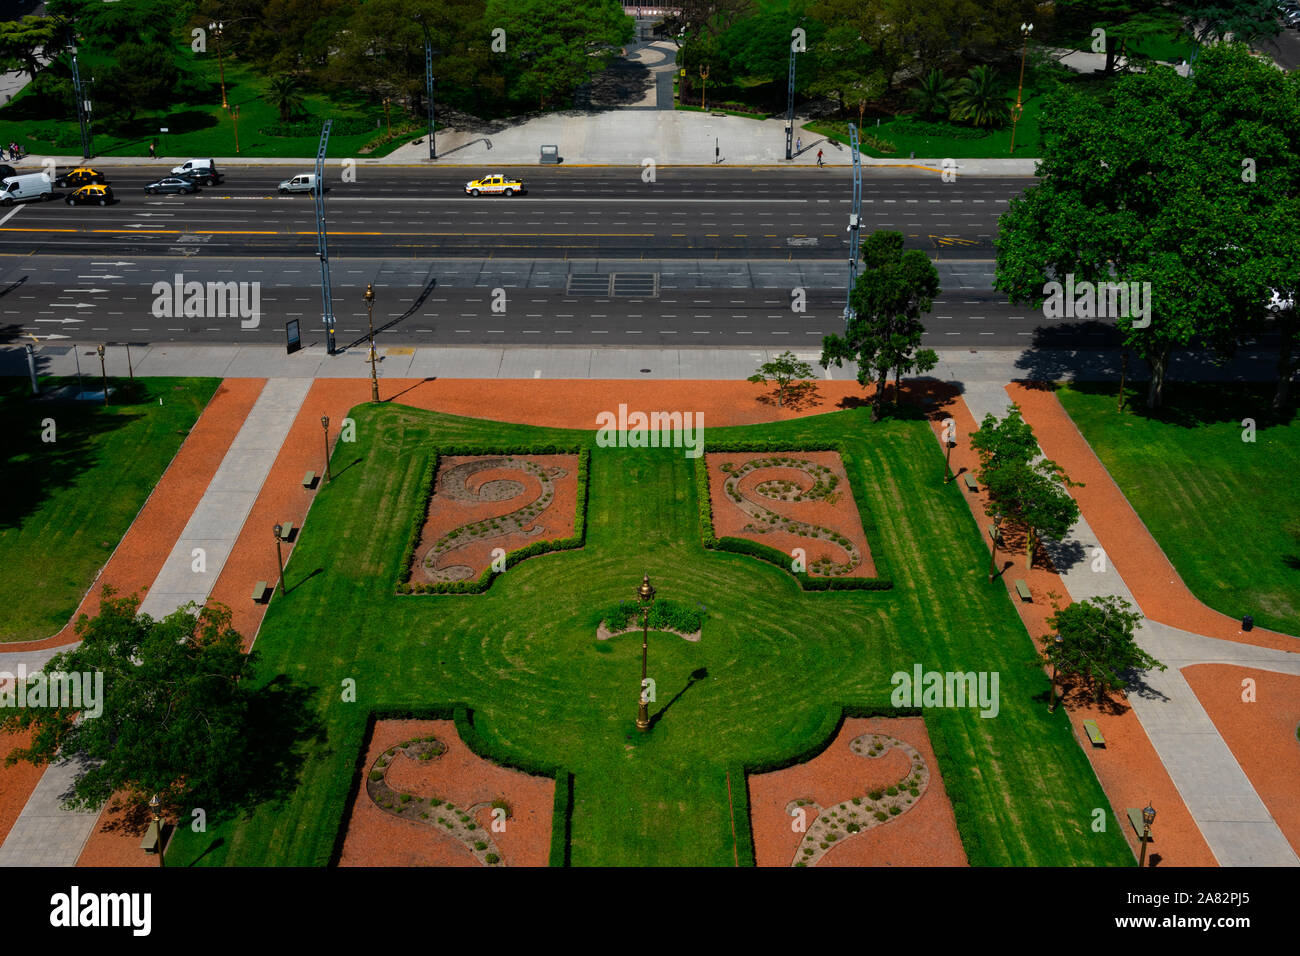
x,y
1192,404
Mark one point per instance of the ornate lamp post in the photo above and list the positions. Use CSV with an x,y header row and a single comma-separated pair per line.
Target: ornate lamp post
x,y
704,81
949,440
993,556
103,374
1148,818
216,28
645,594
1059,641
155,808
234,118
370,311
279,557
1018,109
387,118
325,425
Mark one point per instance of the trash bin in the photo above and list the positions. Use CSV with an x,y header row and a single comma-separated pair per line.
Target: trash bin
x,y
550,156
1247,623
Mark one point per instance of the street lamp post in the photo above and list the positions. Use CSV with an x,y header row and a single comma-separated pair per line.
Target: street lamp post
x,y
217,28
645,595
279,558
993,557
325,424
704,84
155,806
949,434
370,311
1055,699
103,374
1123,372
387,118
234,118
1148,818
1018,109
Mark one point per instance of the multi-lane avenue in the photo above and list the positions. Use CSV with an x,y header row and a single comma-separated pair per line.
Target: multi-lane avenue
x,y
715,256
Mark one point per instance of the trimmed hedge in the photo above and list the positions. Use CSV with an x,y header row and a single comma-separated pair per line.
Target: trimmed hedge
x,y
484,581
881,582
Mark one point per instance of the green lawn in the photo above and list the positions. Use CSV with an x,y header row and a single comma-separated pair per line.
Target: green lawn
x,y
779,661
1221,508
67,503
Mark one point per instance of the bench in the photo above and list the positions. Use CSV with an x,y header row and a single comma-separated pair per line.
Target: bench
x,y
970,482
149,842
1094,733
1023,590
286,530
259,592
309,479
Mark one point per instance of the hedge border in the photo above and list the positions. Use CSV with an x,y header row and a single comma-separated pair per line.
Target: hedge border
x,y
881,582
578,539
481,746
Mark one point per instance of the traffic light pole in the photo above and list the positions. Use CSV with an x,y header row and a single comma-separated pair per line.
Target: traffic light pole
x,y
789,109
322,241
428,91
83,109
855,223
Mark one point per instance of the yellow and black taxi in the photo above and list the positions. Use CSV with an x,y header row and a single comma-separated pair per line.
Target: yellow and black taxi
x,y
94,194
81,176
495,185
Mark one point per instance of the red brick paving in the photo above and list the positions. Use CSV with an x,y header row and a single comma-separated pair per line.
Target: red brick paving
x,y
16,782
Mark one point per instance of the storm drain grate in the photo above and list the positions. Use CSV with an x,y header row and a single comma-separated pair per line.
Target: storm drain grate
x,y
608,284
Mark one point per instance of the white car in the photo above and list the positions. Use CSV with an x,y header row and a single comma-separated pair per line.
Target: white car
x,y
302,183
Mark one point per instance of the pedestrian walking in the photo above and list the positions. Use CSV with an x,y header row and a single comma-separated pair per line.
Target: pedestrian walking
x,y
152,152
819,158
798,144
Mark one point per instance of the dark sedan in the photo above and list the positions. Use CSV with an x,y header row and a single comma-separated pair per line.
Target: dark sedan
x,y
171,184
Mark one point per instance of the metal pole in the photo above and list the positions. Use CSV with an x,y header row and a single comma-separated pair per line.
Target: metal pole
x,y
79,92
370,313
855,224
322,241
76,353
789,108
130,371
31,369
428,92
643,709
1123,371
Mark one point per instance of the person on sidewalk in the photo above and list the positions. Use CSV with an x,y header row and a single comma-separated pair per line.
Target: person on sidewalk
x,y
798,145
152,153
819,158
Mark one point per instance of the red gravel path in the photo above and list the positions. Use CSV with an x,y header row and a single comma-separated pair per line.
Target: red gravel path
x,y
16,782
1261,735
376,838
1128,767
1159,591
925,835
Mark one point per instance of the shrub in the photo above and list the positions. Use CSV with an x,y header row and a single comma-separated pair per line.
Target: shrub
x,y
895,810
492,858
376,775
480,845
881,815
405,797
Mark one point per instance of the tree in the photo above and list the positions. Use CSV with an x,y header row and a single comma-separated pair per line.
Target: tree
x,y
933,95
1097,643
1210,21
23,42
887,300
1023,488
783,370
1124,22
285,94
175,714
143,78
980,98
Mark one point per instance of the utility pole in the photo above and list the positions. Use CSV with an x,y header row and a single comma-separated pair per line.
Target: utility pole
x,y
83,108
428,93
789,108
322,240
855,224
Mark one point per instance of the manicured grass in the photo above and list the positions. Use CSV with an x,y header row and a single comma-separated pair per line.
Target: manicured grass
x,y
779,661
67,503
1222,508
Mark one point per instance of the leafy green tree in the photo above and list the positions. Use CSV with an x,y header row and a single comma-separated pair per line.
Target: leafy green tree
x,y
933,94
175,718
285,94
782,370
888,299
842,66
980,98
1210,21
1097,643
142,78
22,42
1125,22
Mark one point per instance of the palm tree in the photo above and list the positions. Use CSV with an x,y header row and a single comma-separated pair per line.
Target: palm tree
x,y
981,99
933,94
284,92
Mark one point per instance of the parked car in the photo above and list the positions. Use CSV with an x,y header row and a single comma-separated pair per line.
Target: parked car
x,y
202,170
495,185
81,176
302,183
98,194
30,186
171,184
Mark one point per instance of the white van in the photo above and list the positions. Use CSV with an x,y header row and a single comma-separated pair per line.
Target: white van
x,y
29,186
302,183
199,170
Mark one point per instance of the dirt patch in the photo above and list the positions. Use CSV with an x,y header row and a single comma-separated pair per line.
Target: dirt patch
x,y
484,502
16,782
868,758
465,786
789,500
1260,734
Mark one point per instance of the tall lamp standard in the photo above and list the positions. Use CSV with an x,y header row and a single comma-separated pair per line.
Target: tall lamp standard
x,y
1055,699
217,28
1148,818
645,594
949,439
325,424
103,374
993,557
155,808
370,311
704,80
1019,109
234,118
279,557
387,118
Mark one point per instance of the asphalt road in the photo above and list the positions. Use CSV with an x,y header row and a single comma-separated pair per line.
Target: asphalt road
x,y
687,212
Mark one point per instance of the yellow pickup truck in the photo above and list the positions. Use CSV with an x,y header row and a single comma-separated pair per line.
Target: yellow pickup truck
x,y
495,185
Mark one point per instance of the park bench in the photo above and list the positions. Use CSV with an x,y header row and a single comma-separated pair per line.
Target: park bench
x,y
970,482
149,842
259,592
286,530
1094,733
309,479
1023,590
